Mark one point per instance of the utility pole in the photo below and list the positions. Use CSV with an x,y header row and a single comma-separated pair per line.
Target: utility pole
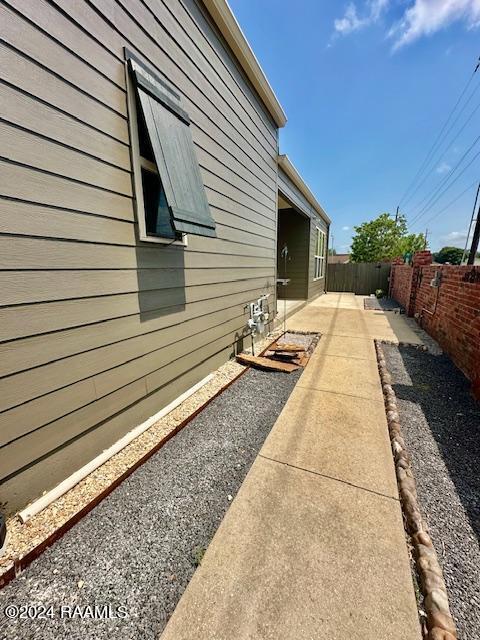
x,y
426,236
396,215
472,220
475,239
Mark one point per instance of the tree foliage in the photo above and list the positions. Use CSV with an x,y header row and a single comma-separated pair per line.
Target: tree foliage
x,y
453,255
384,238
411,243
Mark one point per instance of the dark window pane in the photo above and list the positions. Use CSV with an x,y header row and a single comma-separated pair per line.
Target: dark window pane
x,y
157,215
145,145
178,167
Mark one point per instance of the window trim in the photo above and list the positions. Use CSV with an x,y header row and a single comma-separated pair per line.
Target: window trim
x,y
320,257
137,161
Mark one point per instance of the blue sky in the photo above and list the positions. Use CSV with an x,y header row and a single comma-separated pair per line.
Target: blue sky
x,y
367,86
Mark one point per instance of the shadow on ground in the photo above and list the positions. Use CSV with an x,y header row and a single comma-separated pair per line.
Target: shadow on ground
x,y
453,416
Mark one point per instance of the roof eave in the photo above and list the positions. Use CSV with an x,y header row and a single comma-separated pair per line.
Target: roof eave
x,y
288,167
230,29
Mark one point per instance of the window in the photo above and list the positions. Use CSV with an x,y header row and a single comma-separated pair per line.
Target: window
x,y
319,258
169,191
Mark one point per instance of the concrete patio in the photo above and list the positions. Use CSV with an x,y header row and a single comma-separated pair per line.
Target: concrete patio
x,y
286,308
313,545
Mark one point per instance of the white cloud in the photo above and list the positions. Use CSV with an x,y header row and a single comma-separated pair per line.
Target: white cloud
x,y
454,239
443,168
377,7
345,228
351,21
426,17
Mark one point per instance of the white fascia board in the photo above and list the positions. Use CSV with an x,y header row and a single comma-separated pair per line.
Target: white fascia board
x,y
288,167
223,17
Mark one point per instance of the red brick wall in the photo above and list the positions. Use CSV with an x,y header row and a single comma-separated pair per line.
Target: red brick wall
x,y
450,313
404,279
422,258
400,284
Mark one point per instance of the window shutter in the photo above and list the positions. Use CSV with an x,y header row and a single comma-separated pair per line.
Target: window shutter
x,y
168,127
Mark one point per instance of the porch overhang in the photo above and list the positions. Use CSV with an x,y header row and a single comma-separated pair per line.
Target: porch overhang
x,y
291,172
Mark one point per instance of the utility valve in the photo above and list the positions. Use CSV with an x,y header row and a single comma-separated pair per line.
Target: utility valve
x,y
258,315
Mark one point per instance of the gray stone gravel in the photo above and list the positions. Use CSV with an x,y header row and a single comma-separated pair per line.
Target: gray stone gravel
x,y
380,304
139,547
441,425
305,340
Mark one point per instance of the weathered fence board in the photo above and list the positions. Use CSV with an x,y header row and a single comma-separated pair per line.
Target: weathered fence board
x,y
361,278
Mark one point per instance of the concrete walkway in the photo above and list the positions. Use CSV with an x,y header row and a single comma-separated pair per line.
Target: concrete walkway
x,y
313,545
286,309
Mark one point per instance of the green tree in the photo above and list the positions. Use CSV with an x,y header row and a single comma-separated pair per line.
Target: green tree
x,y
411,243
453,255
383,239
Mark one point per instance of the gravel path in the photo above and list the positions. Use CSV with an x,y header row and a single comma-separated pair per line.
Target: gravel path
x,y
140,546
441,424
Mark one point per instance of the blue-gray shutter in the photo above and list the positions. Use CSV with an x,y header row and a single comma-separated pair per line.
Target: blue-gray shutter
x,y
168,126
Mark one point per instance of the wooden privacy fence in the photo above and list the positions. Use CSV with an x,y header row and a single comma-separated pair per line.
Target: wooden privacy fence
x,y
361,278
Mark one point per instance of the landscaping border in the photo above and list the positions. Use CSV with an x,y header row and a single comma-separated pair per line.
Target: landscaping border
x,y
20,564
440,624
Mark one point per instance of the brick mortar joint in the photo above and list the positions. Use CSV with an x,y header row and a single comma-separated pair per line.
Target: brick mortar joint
x,y
440,624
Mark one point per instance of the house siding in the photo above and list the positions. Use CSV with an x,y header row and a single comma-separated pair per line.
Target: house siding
x,y
313,288
99,331
297,238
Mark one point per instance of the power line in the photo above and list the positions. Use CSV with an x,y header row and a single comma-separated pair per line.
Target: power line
x,y
449,186
447,206
420,184
431,194
438,138
434,145
430,197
